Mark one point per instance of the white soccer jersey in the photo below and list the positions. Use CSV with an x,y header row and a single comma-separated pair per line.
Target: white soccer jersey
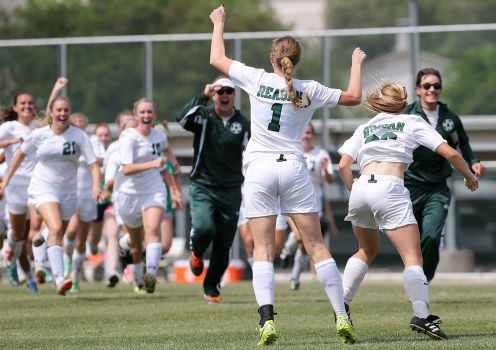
x,y
84,179
113,147
113,171
390,138
276,125
58,157
138,148
112,161
98,146
314,159
12,130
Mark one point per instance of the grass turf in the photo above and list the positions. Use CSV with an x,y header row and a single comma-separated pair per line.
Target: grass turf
x,y
175,317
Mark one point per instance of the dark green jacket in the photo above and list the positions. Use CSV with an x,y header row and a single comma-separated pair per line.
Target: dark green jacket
x,y
217,148
428,167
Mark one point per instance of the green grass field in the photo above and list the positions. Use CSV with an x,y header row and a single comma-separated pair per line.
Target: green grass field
x,y
175,317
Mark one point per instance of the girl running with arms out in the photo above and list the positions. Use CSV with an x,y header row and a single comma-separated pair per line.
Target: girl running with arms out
x,y
383,149
276,177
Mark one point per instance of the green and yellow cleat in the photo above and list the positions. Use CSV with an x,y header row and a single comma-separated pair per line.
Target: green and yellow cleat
x,y
150,283
268,333
75,286
139,290
345,330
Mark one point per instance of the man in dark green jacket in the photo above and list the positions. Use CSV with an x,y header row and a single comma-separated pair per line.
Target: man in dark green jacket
x,y
220,136
426,176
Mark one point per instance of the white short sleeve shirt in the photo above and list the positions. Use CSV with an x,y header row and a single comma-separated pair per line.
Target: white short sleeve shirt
x,y
58,157
390,138
314,159
277,126
138,148
12,130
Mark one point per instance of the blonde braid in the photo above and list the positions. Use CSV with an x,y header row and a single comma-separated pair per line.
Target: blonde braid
x,y
287,52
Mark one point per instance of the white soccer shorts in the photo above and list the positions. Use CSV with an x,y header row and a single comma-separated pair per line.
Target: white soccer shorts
x,y
130,206
382,201
87,207
17,199
67,202
278,184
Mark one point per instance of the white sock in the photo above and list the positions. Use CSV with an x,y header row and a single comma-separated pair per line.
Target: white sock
x,y
417,289
16,247
124,242
328,275
56,257
77,264
300,263
40,255
291,243
44,233
138,274
263,282
153,254
251,261
354,272
69,245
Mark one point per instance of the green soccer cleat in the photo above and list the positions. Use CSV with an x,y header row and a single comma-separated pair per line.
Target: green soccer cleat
x,y
347,308
67,266
268,333
150,283
75,286
345,330
12,275
139,290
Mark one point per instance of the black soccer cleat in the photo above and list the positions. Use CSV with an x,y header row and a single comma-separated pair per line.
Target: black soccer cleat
x,y
429,326
125,258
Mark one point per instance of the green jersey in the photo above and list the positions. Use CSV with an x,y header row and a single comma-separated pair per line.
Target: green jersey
x,y
428,167
218,145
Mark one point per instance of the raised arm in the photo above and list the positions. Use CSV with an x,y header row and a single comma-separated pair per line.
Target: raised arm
x,y
218,57
457,161
60,84
353,95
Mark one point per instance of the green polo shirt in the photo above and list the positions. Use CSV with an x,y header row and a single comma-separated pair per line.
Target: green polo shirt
x,y
217,147
428,167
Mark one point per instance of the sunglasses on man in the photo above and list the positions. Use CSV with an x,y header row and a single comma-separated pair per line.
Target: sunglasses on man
x,y
427,86
228,91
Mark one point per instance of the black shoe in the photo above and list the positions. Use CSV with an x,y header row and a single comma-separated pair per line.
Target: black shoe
x,y
248,272
125,258
285,257
112,281
429,326
294,285
347,308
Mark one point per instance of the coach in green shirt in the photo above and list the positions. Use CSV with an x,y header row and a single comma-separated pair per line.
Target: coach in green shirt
x,y
220,136
426,176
